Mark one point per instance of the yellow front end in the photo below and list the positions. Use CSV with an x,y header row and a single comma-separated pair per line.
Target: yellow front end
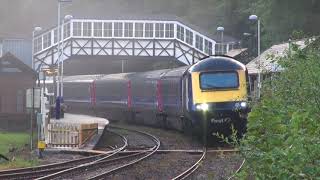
x,y
221,95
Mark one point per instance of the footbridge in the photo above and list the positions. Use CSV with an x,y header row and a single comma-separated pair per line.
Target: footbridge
x,y
122,38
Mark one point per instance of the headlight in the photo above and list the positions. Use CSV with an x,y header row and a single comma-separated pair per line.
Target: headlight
x,y
203,107
243,104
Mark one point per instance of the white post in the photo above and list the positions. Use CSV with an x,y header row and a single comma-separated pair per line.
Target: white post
x,y
62,51
221,29
58,61
256,18
222,47
259,61
32,58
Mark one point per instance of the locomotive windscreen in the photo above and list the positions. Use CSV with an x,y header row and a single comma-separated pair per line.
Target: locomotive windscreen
x,y
219,80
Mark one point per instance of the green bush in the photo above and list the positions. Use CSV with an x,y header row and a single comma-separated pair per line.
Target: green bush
x,y
283,139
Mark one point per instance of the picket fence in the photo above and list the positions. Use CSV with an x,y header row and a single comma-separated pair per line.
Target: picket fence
x,y
69,135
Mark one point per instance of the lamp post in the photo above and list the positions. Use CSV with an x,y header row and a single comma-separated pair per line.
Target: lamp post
x,y
221,29
58,99
66,18
256,18
36,29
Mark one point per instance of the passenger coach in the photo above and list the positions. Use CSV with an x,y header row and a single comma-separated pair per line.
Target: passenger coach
x,y
212,92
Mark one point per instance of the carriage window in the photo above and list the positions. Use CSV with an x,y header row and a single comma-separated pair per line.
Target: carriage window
x,y
219,80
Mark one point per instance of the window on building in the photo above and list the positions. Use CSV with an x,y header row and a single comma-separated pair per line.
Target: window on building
x,y
107,29
138,29
169,31
20,98
159,30
208,47
77,28
46,40
148,30
87,29
180,32
199,42
38,44
128,29
118,29
189,37
97,29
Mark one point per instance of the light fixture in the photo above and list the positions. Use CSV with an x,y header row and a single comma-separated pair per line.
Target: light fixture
x,y
203,107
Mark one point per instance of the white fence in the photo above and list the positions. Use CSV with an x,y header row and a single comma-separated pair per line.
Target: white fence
x,y
70,135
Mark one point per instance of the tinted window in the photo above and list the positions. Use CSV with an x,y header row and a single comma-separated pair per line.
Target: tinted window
x,y
219,80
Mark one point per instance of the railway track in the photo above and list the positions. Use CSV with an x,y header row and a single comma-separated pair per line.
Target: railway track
x,y
193,168
107,163
104,167
39,171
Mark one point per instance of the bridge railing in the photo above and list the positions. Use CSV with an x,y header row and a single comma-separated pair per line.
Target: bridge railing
x,y
125,29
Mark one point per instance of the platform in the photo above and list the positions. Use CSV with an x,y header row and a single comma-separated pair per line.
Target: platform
x,y
81,119
68,132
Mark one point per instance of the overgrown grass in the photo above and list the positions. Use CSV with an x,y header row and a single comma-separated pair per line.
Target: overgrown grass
x,y
19,163
15,147
10,140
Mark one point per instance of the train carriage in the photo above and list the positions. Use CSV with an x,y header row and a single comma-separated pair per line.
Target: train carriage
x,y
212,92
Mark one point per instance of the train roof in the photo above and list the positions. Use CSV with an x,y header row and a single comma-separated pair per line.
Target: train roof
x,y
78,78
217,63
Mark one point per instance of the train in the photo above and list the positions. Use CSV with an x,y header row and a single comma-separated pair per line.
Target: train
x,y
210,94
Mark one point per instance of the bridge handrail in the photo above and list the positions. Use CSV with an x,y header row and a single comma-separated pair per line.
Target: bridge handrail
x,y
125,29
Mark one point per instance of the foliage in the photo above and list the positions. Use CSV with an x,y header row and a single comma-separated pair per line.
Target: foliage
x,y
283,139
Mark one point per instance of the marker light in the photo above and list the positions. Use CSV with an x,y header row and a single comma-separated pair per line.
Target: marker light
x,y
203,107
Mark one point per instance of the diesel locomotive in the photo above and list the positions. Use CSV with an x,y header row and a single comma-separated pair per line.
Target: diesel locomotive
x,y
211,93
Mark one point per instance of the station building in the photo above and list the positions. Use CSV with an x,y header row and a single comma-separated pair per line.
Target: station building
x,y
15,78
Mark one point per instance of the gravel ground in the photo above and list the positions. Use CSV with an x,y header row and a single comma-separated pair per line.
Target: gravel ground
x,y
217,166
97,169
158,166
136,140
56,157
170,139
109,141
